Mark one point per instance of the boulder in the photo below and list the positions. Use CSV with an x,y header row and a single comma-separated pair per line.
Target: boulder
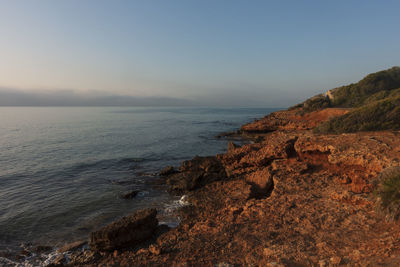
x,y
128,231
261,182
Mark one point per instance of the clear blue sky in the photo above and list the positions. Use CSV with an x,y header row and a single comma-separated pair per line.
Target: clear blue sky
x,y
271,53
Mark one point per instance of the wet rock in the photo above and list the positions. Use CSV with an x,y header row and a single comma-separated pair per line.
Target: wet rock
x,y
41,249
167,171
128,231
84,258
196,173
72,246
130,195
60,260
228,134
25,253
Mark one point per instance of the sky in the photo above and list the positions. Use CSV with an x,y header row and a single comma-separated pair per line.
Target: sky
x,y
210,52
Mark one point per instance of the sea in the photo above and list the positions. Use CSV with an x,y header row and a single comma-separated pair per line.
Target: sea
x,y
63,170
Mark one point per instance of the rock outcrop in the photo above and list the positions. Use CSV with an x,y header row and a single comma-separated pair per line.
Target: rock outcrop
x,y
196,173
127,232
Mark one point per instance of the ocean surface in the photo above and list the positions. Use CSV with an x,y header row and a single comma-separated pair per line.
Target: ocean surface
x,y
63,169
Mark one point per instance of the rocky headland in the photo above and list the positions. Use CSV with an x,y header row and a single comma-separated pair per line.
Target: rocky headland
x,y
295,196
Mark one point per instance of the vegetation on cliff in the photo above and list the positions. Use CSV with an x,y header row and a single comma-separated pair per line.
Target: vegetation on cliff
x,y
358,94
379,115
375,102
387,193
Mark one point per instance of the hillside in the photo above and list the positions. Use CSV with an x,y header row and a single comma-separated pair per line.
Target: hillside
x,y
373,102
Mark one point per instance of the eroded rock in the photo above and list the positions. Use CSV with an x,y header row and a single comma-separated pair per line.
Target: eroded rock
x,y
261,181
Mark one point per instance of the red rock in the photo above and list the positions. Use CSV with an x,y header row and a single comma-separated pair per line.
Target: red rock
x,y
261,181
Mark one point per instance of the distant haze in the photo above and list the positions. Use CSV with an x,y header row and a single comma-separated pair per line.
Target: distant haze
x,y
68,98
15,97
179,52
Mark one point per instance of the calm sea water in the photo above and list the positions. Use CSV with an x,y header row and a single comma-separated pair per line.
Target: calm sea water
x,y
63,169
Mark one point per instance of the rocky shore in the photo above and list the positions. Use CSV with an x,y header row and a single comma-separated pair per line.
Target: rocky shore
x,y
291,198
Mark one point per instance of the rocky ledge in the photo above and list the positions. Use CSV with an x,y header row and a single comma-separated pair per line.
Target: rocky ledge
x,y
292,198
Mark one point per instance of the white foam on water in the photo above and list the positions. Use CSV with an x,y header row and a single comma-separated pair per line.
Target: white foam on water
x,y
184,201
169,213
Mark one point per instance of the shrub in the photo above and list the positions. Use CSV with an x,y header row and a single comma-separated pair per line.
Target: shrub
x,y
387,193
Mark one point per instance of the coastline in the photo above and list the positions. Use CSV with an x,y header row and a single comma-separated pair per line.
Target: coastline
x,y
207,124
287,197
291,198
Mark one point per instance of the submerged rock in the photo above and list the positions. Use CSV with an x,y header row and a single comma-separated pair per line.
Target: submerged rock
x,y
130,195
128,231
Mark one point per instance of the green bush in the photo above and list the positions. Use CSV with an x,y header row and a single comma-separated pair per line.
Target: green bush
x,y
387,193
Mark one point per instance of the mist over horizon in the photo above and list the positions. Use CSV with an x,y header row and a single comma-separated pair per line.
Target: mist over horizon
x,y
16,97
